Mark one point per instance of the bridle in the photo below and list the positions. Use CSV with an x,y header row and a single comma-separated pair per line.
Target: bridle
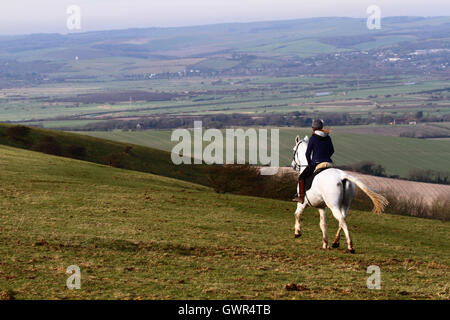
x,y
297,166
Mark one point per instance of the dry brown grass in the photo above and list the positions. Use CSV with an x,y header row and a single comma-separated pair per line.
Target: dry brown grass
x,y
403,200
414,204
247,180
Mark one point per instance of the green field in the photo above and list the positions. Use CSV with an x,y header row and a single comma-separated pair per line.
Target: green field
x,y
259,94
397,155
302,48
269,67
141,236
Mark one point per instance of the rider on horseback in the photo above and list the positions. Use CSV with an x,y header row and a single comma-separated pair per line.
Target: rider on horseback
x,y
321,148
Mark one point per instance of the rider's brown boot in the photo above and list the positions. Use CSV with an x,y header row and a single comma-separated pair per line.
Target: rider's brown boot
x,y
301,192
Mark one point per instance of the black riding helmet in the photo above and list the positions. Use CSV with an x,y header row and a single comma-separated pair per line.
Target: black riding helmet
x,y
317,124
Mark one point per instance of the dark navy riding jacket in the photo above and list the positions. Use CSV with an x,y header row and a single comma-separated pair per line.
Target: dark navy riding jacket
x,y
321,149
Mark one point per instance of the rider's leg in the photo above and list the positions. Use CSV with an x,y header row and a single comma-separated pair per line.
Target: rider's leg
x,y
301,183
301,191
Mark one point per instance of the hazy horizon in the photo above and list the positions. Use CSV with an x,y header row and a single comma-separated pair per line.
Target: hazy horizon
x,y
49,16
200,25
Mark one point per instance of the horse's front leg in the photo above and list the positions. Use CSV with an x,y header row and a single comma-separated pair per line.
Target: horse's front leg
x,y
323,227
298,220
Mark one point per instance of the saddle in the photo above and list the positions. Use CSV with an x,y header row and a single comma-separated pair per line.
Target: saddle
x,y
319,168
323,165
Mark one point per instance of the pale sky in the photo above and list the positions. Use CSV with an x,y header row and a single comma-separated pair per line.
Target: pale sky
x,y
48,16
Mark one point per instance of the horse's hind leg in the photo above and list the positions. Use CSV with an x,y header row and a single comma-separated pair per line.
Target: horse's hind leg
x,y
350,190
338,233
337,238
343,225
323,227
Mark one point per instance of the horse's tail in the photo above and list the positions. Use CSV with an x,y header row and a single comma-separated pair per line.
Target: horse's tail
x,y
344,186
379,201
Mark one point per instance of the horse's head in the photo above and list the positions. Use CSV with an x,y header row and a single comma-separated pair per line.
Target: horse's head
x,y
299,161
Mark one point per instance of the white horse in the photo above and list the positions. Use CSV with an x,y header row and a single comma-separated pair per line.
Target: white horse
x,y
332,188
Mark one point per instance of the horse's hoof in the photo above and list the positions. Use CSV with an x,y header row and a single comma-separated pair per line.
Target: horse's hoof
x,y
297,235
351,250
335,245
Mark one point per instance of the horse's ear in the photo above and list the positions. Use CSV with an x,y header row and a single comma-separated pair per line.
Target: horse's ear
x,y
306,139
297,139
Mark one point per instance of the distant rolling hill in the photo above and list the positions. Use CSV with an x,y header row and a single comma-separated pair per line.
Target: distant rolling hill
x,y
337,32
134,50
397,155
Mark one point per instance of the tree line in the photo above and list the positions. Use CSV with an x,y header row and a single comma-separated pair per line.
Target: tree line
x,y
292,119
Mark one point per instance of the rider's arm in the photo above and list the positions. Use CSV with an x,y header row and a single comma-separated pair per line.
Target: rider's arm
x,y
309,150
331,148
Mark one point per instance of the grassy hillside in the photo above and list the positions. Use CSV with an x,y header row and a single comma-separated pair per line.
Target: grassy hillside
x,y
140,236
101,151
397,155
